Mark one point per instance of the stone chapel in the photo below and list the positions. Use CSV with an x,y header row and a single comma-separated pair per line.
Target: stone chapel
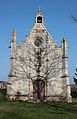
x,y
38,67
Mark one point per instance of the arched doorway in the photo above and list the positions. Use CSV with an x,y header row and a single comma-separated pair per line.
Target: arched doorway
x,y
38,90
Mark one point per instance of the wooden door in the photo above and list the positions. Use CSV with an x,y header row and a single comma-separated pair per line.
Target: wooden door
x,y
38,90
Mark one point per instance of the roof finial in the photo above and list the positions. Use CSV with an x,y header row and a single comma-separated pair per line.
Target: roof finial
x,y
39,11
14,30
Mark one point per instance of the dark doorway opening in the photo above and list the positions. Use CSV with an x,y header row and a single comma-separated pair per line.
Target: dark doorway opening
x,y
39,90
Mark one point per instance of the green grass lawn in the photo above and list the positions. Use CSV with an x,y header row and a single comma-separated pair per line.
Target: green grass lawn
x,y
25,110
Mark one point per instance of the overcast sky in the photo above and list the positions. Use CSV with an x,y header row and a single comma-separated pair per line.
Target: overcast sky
x,y
20,14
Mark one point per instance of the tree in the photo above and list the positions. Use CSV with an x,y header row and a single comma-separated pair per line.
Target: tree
x,y
75,79
74,18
